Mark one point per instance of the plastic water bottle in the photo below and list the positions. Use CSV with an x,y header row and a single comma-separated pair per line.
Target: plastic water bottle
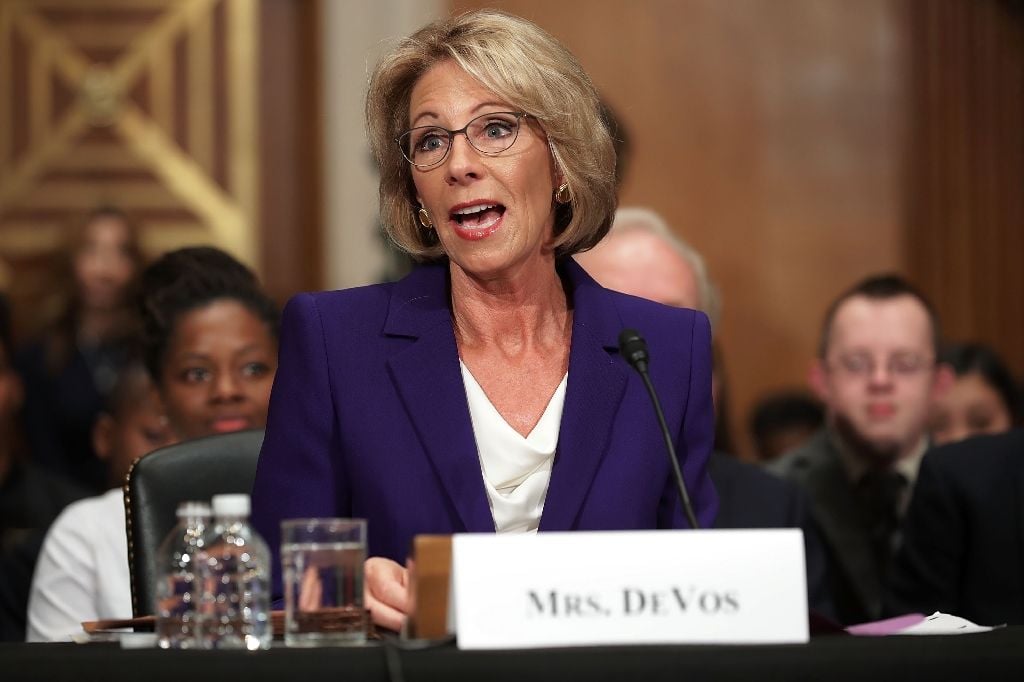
x,y
236,580
179,589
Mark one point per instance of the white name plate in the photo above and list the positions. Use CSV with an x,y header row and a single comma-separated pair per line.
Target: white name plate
x,y
636,587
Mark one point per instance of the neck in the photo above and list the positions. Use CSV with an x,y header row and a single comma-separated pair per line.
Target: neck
x,y
529,309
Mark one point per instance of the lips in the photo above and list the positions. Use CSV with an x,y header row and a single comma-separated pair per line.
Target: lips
x,y
476,220
881,410
229,424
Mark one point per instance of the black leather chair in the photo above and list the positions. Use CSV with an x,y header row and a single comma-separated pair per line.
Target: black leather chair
x,y
157,483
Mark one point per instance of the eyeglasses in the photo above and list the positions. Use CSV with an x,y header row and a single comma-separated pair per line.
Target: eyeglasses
x,y
490,134
901,365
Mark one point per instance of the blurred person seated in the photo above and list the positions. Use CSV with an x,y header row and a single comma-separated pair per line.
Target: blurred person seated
x,y
30,497
963,550
71,368
877,373
82,572
210,348
784,420
641,256
983,399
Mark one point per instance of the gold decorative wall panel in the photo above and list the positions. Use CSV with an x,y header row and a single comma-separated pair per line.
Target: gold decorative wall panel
x,y
145,104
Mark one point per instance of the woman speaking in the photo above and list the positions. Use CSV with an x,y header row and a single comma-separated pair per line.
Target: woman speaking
x,y
483,392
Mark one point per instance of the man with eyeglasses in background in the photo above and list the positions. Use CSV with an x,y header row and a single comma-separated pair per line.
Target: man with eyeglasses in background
x,y
877,374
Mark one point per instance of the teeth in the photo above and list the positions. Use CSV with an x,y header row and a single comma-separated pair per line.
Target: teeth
x,y
474,209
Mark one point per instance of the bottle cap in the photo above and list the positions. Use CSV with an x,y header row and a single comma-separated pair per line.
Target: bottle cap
x,y
193,508
231,505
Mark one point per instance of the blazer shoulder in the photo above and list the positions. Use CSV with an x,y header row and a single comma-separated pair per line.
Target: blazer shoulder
x,y
654,319
356,306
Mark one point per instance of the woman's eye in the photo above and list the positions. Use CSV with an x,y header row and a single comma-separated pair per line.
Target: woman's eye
x,y
195,375
498,129
430,142
255,369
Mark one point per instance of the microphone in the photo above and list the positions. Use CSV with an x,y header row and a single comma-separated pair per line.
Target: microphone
x,y
633,348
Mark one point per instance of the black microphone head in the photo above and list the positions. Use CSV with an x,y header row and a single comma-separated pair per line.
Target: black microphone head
x,y
634,349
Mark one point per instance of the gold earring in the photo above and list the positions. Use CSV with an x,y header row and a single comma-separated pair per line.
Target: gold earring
x,y
424,217
562,195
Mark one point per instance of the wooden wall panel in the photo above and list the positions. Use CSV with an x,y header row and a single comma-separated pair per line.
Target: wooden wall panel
x,y
770,134
965,172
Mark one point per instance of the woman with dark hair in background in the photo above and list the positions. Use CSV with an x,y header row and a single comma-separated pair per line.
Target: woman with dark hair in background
x,y
210,347
71,368
209,341
984,399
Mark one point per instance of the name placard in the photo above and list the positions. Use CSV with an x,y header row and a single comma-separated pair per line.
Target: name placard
x,y
636,587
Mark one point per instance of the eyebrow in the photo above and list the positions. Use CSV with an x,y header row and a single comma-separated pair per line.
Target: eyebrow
x,y
474,111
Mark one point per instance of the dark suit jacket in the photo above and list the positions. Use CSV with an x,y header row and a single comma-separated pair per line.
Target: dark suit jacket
x,y
750,497
854,580
963,550
368,417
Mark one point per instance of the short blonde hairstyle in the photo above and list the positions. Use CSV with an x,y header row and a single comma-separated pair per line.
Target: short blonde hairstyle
x,y
531,70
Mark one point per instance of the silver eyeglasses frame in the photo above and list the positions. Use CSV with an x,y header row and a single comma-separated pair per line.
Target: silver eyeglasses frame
x,y
403,138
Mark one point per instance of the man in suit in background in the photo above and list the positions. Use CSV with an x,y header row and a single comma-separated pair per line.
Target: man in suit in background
x,y
963,550
640,256
877,374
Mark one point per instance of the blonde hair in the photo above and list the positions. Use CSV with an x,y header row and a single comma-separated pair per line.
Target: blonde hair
x,y
531,70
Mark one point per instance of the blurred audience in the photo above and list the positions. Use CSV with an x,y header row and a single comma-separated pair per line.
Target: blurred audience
x,y
210,347
30,497
964,547
983,399
71,368
642,257
82,572
877,374
782,421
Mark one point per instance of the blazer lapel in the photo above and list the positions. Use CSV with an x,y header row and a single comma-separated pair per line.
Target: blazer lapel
x,y
595,388
427,377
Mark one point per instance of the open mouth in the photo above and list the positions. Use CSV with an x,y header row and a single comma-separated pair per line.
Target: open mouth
x,y
478,221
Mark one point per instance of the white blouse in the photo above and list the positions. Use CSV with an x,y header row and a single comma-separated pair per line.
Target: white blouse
x,y
516,470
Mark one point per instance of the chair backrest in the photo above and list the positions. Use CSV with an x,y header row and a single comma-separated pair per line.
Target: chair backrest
x,y
160,481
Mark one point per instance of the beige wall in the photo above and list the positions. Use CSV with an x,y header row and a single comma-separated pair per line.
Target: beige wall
x,y
768,132
355,34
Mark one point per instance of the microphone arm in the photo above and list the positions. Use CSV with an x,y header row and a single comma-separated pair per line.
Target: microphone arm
x,y
634,349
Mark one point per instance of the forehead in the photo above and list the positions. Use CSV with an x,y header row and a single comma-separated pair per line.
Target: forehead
x,y
899,323
222,324
446,93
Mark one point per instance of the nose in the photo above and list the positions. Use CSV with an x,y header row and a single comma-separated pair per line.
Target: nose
x,y
226,387
463,161
881,375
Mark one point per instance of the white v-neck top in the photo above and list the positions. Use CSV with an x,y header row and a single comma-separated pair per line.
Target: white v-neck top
x,y
516,470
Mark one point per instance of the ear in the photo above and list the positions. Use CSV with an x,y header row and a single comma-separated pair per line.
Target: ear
x,y
945,377
103,436
818,381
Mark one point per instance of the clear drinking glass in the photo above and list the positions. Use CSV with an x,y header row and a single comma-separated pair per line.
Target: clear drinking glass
x,y
322,561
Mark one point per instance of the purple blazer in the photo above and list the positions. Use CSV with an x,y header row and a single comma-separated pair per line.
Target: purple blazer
x,y
369,419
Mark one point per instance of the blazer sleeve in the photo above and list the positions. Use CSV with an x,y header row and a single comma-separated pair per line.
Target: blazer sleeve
x,y
696,438
299,474
928,566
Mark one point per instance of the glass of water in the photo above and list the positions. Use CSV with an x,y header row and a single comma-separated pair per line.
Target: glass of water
x,y
322,561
